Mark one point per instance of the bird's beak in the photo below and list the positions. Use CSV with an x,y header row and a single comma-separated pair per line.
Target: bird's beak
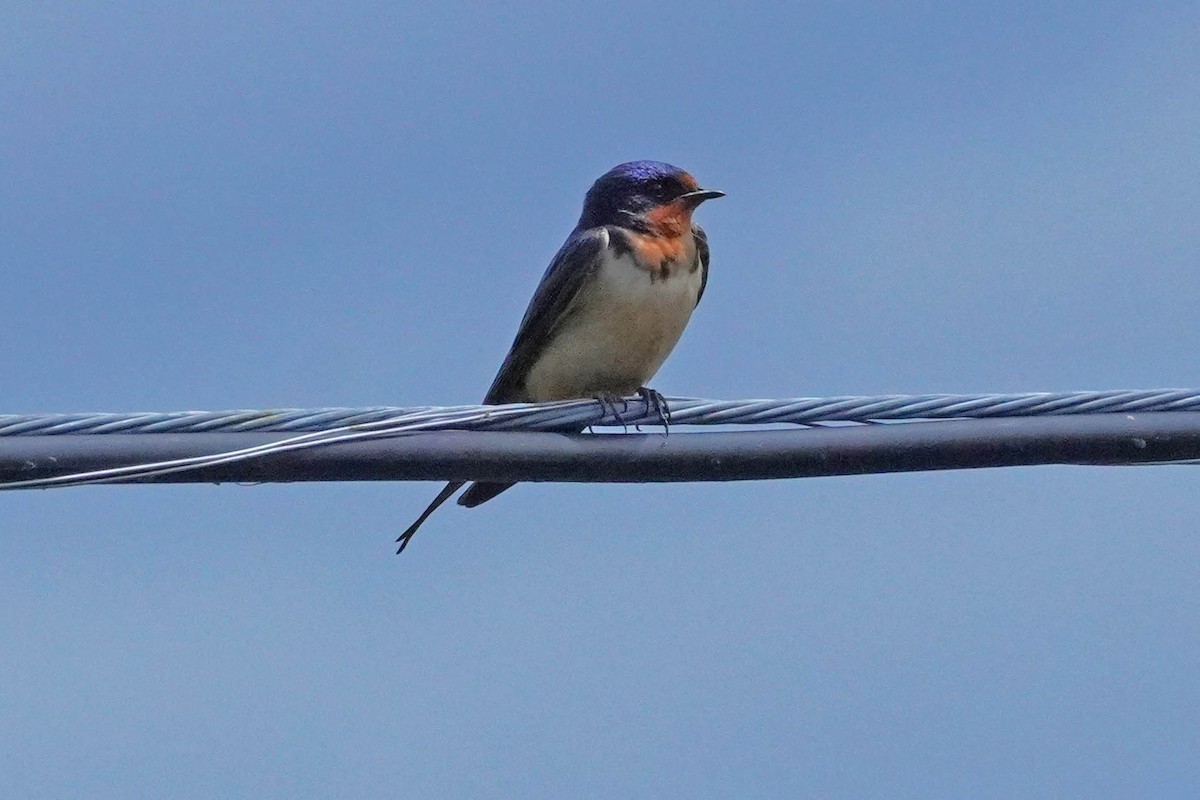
x,y
693,199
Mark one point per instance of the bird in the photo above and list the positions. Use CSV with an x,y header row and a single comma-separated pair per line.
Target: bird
x,y
612,304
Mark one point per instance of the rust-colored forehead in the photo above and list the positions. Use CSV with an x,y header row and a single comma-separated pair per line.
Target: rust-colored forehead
x,y
687,180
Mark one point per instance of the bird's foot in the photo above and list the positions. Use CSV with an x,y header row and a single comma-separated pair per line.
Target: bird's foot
x,y
657,405
608,406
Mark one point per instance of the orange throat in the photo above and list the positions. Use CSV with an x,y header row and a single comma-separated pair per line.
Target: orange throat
x,y
671,220
669,239
655,252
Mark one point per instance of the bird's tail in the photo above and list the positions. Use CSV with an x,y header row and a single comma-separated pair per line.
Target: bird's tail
x,y
478,493
443,496
475,494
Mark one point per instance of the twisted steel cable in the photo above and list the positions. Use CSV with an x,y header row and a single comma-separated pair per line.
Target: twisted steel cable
x,y
37,451
631,412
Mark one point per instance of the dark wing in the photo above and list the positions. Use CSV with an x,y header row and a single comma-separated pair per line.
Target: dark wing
x,y
572,267
702,256
576,261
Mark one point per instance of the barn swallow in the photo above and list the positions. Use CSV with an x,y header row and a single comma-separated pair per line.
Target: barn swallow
x,y
612,304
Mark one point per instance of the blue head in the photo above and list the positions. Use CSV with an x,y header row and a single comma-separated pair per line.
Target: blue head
x,y
628,193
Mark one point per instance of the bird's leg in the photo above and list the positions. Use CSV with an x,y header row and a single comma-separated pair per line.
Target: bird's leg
x,y
656,404
608,404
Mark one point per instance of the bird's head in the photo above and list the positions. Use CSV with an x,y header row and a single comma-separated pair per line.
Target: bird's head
x,y
645,195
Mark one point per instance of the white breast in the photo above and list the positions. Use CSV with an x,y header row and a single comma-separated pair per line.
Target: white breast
x,y
624,326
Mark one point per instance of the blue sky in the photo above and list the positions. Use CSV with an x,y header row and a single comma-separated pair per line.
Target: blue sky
x,y
323,205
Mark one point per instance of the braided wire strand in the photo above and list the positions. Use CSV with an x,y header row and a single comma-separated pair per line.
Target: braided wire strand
x,y
325,426
573,414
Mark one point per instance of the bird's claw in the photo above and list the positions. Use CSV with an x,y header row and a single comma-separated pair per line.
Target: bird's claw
x,y
608,407
657,405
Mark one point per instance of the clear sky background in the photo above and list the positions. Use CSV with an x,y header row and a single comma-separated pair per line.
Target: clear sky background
x,y
317,204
